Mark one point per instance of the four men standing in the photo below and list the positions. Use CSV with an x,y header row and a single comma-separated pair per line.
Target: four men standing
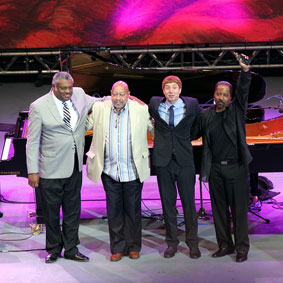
x,y
119,156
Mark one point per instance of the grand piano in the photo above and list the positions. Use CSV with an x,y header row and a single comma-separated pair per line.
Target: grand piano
x,y
265,138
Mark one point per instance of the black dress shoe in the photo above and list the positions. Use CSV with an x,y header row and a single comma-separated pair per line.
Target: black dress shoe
x,y
223,251
77,257
195,253
170,252
51,258
241,256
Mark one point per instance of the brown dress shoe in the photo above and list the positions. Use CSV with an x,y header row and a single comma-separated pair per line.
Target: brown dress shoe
x,y
116,257
170,252
134,255
241,256
195,253
223,251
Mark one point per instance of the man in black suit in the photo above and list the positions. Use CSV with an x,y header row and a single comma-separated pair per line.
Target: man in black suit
x,y
225,160
174,162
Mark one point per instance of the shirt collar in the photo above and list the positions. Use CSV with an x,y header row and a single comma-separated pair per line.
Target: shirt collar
x,y
57,100
126,107
179,103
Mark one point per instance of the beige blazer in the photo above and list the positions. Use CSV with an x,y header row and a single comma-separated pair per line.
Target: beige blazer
x,y
140,123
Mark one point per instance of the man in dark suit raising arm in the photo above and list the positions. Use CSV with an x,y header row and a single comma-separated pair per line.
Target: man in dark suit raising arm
x,y
225,160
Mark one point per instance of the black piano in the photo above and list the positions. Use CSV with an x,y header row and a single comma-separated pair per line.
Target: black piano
x,y
14,155
13,161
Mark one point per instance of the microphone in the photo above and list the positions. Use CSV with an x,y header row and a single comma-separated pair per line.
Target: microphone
x,y
281,106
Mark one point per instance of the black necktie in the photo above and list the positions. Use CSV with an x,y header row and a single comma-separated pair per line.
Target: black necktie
x,y
171,116
66,115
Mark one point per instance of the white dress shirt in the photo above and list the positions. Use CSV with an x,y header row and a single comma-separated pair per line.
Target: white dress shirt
x,y
72,108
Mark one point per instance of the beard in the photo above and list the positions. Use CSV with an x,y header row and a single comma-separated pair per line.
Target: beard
x,y
220,105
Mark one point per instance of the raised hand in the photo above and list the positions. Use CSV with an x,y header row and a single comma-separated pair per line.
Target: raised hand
x,y
243,61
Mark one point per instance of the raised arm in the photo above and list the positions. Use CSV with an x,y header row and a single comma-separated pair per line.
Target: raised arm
x,y
243,84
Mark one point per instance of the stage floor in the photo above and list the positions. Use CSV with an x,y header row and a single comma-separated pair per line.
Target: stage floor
x,y
22,253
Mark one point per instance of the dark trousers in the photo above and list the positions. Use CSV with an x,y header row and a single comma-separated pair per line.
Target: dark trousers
x,y
39,209
124,214
184,177
65,193
229,191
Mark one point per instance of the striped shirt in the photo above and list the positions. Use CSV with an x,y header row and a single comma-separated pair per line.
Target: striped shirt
x,y
118,155
73,112
179,111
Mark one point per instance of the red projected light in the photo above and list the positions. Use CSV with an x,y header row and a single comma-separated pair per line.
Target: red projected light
x,y
44,24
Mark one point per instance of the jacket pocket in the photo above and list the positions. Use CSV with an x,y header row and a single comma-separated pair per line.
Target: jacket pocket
x,y
50,153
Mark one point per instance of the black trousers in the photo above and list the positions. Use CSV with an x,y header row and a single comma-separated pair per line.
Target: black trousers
x,y
229,191
184,177
65,193
124,214
39,209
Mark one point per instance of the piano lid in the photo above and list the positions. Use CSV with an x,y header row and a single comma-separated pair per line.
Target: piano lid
x,y
97,77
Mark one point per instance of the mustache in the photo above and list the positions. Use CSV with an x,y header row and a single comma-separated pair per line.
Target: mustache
x,y
219,101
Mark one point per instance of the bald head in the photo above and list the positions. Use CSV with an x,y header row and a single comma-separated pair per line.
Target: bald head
x,y
119,95
122,83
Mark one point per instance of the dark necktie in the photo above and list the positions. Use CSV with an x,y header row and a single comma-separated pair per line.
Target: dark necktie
x,y
66,115
171,116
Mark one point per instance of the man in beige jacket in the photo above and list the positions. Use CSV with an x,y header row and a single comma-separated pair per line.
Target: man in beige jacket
x,y
119,155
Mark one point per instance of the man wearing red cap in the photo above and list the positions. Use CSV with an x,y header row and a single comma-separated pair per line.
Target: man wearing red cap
x,y
174,162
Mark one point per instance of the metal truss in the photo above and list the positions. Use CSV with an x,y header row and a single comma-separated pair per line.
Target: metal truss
x,y
163,58
197,58
33,62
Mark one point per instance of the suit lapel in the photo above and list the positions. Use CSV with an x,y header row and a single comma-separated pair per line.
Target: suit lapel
x,y
78,106
54,110
156,106
106,116
133,119
187,111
